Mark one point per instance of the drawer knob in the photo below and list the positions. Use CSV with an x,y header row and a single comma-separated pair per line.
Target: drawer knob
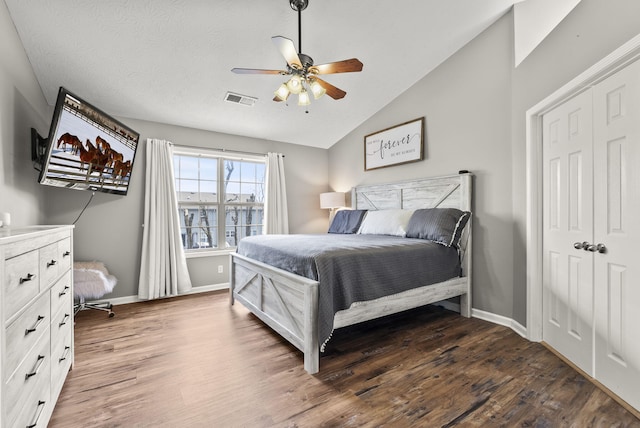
x,y
52,263
66,253
35,326
29,277
38,414
64,320
65,355
63,292
36,368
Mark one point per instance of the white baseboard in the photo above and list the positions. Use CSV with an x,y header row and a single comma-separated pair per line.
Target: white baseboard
x,y
134,299
212,287
500,320
487,316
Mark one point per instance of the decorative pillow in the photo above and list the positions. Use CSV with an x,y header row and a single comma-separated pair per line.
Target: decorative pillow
x,y
347,221
386,222
441,225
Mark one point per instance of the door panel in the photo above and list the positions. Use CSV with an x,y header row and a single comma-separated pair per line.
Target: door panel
x,y
575,192
576,288
568,219
617,226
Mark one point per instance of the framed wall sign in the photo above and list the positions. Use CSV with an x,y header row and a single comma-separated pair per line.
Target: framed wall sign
x,y
393,146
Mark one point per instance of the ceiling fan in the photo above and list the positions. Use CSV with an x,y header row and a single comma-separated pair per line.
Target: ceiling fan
x,y
304,74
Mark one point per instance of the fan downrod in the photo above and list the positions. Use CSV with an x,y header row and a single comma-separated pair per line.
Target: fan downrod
x,y
299,5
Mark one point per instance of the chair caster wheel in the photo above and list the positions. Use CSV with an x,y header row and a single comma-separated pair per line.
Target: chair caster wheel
x,y
112,314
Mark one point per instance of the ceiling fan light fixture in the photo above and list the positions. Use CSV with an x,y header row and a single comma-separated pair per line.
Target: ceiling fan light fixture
x,y
301,69
317,89
282,93
295,84
303,98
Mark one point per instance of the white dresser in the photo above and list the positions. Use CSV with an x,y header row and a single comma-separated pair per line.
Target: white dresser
x,y
36,309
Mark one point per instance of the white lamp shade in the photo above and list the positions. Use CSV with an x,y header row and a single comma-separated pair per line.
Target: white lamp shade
x,y
332,200
303,98
282,93
317,89
295,84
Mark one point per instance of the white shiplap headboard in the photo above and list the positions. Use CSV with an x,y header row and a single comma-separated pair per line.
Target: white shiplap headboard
x,y
452,191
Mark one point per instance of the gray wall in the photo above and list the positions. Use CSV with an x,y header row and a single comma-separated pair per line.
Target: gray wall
x,y
110,230
22,107
475,105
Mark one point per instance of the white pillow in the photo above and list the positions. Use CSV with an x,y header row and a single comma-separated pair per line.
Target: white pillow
x,y
386,222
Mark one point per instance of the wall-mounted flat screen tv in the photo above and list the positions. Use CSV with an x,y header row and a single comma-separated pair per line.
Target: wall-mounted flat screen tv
x,y
86,148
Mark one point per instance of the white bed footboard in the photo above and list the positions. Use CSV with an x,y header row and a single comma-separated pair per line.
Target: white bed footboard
x,y
286,302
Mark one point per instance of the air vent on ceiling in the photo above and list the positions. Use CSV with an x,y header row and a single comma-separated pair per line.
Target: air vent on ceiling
x,y
240,99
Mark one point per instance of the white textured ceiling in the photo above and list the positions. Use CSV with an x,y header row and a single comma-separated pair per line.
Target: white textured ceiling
x,y
169,61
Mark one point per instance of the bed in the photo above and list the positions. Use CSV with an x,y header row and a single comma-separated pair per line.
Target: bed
x,y
292,299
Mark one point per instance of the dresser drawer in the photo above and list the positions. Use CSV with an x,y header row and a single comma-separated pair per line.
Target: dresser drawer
x,y
21,282
61,293
35,368
24,332
35,408
61,358
64,254
49,263
61,325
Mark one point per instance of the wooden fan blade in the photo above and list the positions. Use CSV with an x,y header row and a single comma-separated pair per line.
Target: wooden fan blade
x,y
345,66
332,91
288,51
257,71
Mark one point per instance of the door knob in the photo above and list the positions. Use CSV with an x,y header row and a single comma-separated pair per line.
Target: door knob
x,y
580,245
600,248
587,246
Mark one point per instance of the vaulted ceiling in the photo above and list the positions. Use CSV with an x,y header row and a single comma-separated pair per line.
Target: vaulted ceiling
x,y
170,61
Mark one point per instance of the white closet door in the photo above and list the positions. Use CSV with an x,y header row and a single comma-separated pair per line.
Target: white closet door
x,y
568,220
617,226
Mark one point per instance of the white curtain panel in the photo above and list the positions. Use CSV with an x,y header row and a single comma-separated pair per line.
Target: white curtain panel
x,y
163,270
276,217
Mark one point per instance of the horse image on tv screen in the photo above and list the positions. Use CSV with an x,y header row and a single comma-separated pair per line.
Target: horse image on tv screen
x,y
89,150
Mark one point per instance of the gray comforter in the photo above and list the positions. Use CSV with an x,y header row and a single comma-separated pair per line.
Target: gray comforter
x,y
354,268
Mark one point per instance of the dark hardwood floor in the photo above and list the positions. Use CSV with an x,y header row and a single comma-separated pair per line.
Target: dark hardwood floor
x,y
195,361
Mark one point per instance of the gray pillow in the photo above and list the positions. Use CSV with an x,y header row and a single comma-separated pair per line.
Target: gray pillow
x,y
347,221
441,225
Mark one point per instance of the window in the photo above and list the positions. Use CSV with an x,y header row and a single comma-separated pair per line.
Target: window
x,y
220,198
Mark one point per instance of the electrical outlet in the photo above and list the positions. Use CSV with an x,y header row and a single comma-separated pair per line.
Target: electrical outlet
x,y
220,268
